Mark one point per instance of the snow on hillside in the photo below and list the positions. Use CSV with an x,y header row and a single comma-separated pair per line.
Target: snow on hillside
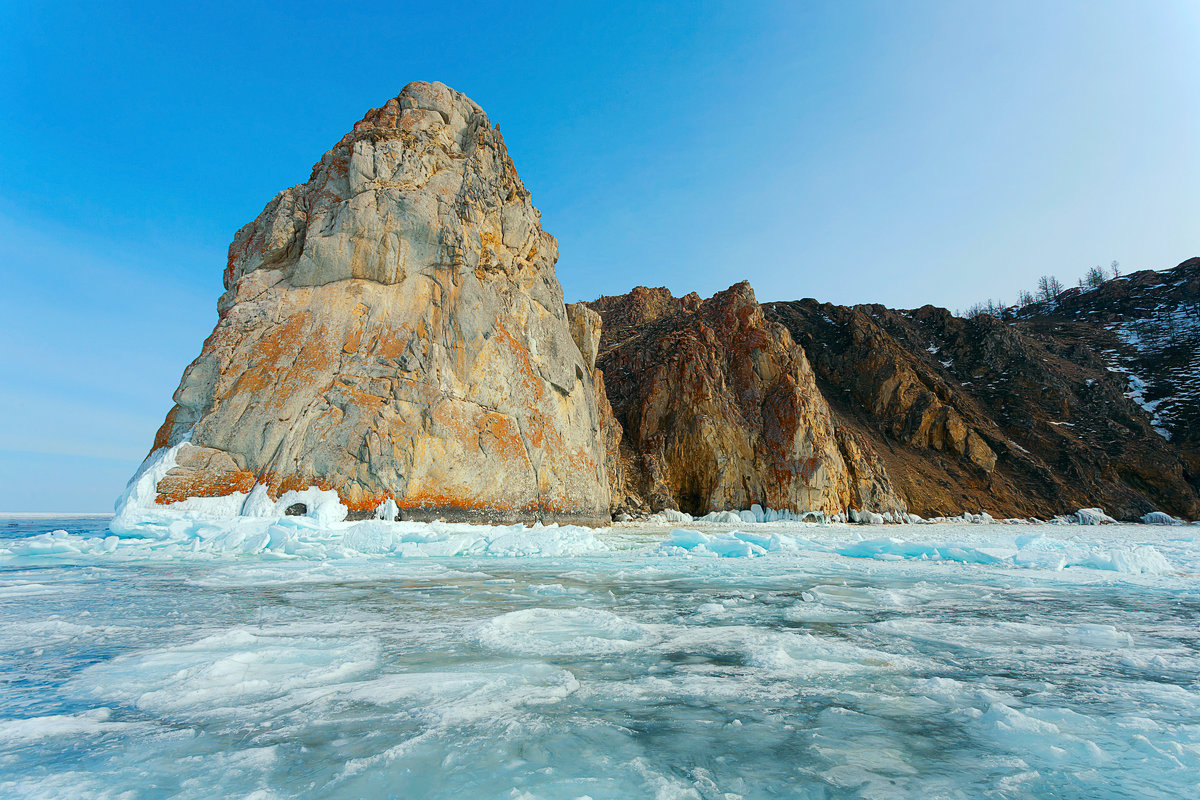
x,y
1163,365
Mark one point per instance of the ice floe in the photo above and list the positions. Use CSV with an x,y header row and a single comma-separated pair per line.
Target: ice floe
x,y
583,632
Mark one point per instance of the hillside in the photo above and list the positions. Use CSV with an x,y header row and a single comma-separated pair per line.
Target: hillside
x,y
1089,400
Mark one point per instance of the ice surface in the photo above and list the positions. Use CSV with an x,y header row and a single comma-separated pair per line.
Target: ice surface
x,y
308,537
288,657
547,631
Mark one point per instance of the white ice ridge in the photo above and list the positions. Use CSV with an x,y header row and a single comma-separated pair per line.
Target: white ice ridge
x,y
303,537
1031,551
756,514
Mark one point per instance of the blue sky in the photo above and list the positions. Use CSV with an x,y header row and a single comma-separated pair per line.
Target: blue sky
x,y
903,153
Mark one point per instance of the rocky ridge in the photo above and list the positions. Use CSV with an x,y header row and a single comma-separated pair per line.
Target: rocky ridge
x,y
1088,401
1145,326
1014,418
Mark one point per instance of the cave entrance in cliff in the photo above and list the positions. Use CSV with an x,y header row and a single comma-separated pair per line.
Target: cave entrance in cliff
x,y
692,500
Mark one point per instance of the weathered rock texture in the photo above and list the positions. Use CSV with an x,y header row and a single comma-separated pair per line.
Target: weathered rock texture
x,y
720,410
393,328
1089,401
1027,416
1146,327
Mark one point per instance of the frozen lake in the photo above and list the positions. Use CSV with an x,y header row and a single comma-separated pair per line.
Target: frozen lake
x,y
398,660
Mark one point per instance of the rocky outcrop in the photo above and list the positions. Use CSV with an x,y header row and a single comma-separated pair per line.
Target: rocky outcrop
x,y
901,396
393,329
1017,418
720,409
1145,327
1079,404
937,448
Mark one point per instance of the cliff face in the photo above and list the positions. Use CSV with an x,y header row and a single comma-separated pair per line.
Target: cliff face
x,y
982,414
938,449
720,409
393,328
1089,401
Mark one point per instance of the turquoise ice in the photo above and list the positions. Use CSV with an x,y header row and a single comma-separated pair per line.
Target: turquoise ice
x,y
280,659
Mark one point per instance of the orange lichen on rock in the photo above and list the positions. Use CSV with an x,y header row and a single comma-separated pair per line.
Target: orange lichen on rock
x,y
203,472
176,489
162,437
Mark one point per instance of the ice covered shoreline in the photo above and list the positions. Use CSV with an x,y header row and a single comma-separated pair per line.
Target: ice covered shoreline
x,y
252,525
138,514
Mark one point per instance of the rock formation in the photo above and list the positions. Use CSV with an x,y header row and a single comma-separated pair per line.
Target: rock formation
x,y
393,329
1146,328
1023,417
720,409
930,413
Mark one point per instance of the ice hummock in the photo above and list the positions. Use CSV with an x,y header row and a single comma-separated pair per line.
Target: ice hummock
x,y
260,527
303,537
757,515
1030,551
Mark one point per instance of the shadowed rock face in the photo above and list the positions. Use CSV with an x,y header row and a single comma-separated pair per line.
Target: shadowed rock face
x,y
720,409
393,328
938,448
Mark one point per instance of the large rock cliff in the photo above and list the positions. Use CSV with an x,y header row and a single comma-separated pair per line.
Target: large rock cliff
x,y
393,328
1088,401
